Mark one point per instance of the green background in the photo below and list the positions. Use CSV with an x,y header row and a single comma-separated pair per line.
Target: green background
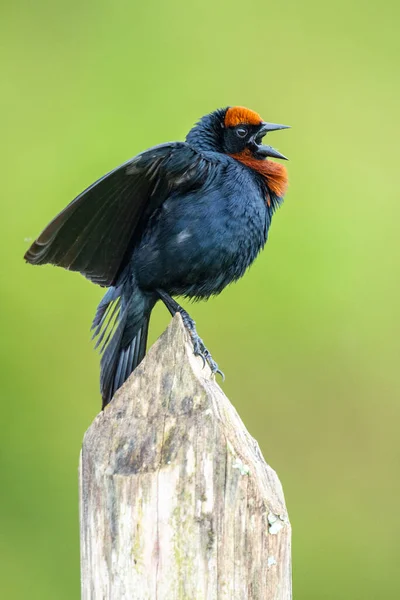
x,y
308,340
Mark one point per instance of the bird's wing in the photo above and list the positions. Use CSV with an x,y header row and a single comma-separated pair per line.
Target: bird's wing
x,y
95,232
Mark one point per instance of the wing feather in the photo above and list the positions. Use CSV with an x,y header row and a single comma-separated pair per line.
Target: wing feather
x,y
94,233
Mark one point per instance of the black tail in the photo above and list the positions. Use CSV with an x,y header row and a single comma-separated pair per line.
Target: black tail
x,y
127,347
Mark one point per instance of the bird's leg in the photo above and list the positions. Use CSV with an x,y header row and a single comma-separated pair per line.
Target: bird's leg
x,y
198,344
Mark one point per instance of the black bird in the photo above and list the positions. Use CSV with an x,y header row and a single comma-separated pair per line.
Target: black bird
x,y
180,219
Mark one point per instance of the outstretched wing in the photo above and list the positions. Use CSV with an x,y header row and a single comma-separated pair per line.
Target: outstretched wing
x,y
94,233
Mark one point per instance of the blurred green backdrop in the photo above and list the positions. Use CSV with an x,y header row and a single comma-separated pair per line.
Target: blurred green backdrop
x,y
309,340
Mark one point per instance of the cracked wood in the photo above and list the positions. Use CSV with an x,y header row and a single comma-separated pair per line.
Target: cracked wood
x,y
176,499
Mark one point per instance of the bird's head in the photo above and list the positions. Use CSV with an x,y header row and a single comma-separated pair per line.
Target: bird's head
x,y
239,132
234,130
244,130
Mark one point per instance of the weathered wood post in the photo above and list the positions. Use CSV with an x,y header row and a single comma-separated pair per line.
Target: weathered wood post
x,y
177,501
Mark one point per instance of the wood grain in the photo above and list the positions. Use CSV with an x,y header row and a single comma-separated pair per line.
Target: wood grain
x,y
176,499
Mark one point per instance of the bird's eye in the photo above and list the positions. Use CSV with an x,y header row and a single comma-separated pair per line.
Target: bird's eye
x,y
241,132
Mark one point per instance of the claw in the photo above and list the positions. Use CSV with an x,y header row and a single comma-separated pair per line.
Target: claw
x,y
214,367
221,373
202,358
207,358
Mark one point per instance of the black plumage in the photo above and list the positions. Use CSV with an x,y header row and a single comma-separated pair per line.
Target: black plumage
x,y
183,218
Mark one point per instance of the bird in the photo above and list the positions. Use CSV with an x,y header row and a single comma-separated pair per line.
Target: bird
x,y
179,219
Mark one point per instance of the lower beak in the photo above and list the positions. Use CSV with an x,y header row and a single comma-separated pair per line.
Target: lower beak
x,y
265,151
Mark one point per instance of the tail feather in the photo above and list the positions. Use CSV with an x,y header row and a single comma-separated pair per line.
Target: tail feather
x,y
118,362
106,316
107,325
122,352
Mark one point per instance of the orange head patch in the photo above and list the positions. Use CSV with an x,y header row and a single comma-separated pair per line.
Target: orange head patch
x,y
237,115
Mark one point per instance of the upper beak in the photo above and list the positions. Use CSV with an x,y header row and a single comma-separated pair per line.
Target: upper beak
x,y
265,127
268,150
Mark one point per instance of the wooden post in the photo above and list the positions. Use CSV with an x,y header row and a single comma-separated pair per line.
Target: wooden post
x,y
176,499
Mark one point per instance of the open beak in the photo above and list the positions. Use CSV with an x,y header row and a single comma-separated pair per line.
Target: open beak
x,y
264,151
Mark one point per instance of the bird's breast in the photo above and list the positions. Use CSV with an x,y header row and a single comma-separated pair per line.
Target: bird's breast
x,y
200,242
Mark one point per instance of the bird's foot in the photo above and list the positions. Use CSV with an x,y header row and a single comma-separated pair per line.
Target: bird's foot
x,y
199,348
